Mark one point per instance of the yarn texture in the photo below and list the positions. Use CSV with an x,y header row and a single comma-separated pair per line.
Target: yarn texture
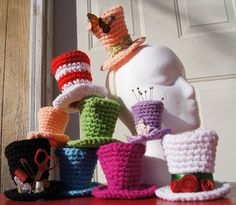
x,y
192,152
98,118
150,113
117,41
52,125
121,163
76,171
73,75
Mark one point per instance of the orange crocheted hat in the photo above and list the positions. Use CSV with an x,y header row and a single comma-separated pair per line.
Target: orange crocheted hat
x,y
117,41
52,124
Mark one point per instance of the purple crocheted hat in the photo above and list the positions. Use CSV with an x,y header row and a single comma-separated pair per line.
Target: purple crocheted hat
x,y
121,164
148,118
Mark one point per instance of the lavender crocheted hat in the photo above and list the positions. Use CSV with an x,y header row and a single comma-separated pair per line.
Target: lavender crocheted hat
x,y
191,160
121,163
148,118
76,171
26,150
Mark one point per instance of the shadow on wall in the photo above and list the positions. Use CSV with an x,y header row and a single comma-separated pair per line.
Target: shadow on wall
x,y
65,40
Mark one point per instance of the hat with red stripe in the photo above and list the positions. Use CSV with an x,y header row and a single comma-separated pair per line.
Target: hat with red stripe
x,y
72,72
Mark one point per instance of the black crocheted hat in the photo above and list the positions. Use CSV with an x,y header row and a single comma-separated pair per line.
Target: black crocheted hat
x,y
26,149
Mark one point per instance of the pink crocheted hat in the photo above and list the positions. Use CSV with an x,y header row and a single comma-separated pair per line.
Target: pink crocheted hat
x,y
121,164
191,160
148,118
117,41
72,72
52,123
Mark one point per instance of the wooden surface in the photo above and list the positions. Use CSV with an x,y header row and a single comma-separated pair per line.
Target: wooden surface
x,y
14,50
230,199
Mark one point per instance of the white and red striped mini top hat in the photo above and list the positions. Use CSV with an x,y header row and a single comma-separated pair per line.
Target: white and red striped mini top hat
x,y
73,75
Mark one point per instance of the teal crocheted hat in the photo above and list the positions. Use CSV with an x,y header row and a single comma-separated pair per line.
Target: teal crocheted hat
x,y
97,121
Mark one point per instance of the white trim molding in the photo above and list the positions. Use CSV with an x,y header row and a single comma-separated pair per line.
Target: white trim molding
x,y
40,55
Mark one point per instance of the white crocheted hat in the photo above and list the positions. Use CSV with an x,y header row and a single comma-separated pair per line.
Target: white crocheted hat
x,y
72,72
191,159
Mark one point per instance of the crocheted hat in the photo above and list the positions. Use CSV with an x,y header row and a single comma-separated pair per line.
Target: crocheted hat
x,y
25,150
148,118
52,124
72,72
191,160
98,117
117,41
121,164
76,171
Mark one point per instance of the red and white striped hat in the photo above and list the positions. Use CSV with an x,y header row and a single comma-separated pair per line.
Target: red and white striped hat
x,y
72,72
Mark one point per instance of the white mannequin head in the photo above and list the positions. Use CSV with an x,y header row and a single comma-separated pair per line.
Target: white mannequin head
x,y
160,68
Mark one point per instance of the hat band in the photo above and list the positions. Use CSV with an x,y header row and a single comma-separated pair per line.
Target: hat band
x,y
123,44
194,182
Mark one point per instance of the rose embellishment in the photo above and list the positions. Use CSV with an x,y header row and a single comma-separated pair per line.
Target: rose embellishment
x,y
175,186
207,185
189,183
142,128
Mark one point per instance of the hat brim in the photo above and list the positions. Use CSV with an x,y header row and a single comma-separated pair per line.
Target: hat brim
x,y
76,193
69,99
153,135
92,142
123,56
144,191
221,189
16,196
55,140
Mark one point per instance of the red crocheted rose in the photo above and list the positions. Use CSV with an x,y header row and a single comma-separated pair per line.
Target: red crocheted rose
x,y
207,185
189,183
175,186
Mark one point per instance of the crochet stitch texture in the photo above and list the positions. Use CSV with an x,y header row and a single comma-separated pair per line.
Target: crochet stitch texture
x,y
76,171
121,163
97,120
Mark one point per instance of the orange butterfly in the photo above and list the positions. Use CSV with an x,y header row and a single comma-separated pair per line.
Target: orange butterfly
x,y
98,22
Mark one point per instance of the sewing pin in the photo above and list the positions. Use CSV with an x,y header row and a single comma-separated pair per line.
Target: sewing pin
x,y
145,92
135,95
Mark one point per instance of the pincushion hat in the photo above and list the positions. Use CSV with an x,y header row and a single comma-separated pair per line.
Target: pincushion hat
x,y
117,41
121,163
52,123
191,159
148,118
73,75
98,118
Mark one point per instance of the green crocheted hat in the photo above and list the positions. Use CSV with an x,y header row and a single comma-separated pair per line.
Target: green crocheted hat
x,y
98,117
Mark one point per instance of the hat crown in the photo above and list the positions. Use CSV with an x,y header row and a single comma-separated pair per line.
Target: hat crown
x,y
72,69
76,167
191,152
98,117
52,120
150,112
121,164
118,30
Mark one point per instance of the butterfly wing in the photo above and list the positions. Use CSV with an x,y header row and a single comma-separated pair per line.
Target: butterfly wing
x,y
94,22
105,26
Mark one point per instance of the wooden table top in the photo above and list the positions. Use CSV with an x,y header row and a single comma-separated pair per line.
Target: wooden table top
x,y
228,200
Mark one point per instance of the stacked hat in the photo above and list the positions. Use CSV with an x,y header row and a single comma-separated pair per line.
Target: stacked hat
x,y
117,41
52,123
191,160
148,118
73,75
76,171
98,118
23,169
121,164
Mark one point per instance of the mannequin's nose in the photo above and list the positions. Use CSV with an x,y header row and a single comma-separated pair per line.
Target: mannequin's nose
x,y
189,91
